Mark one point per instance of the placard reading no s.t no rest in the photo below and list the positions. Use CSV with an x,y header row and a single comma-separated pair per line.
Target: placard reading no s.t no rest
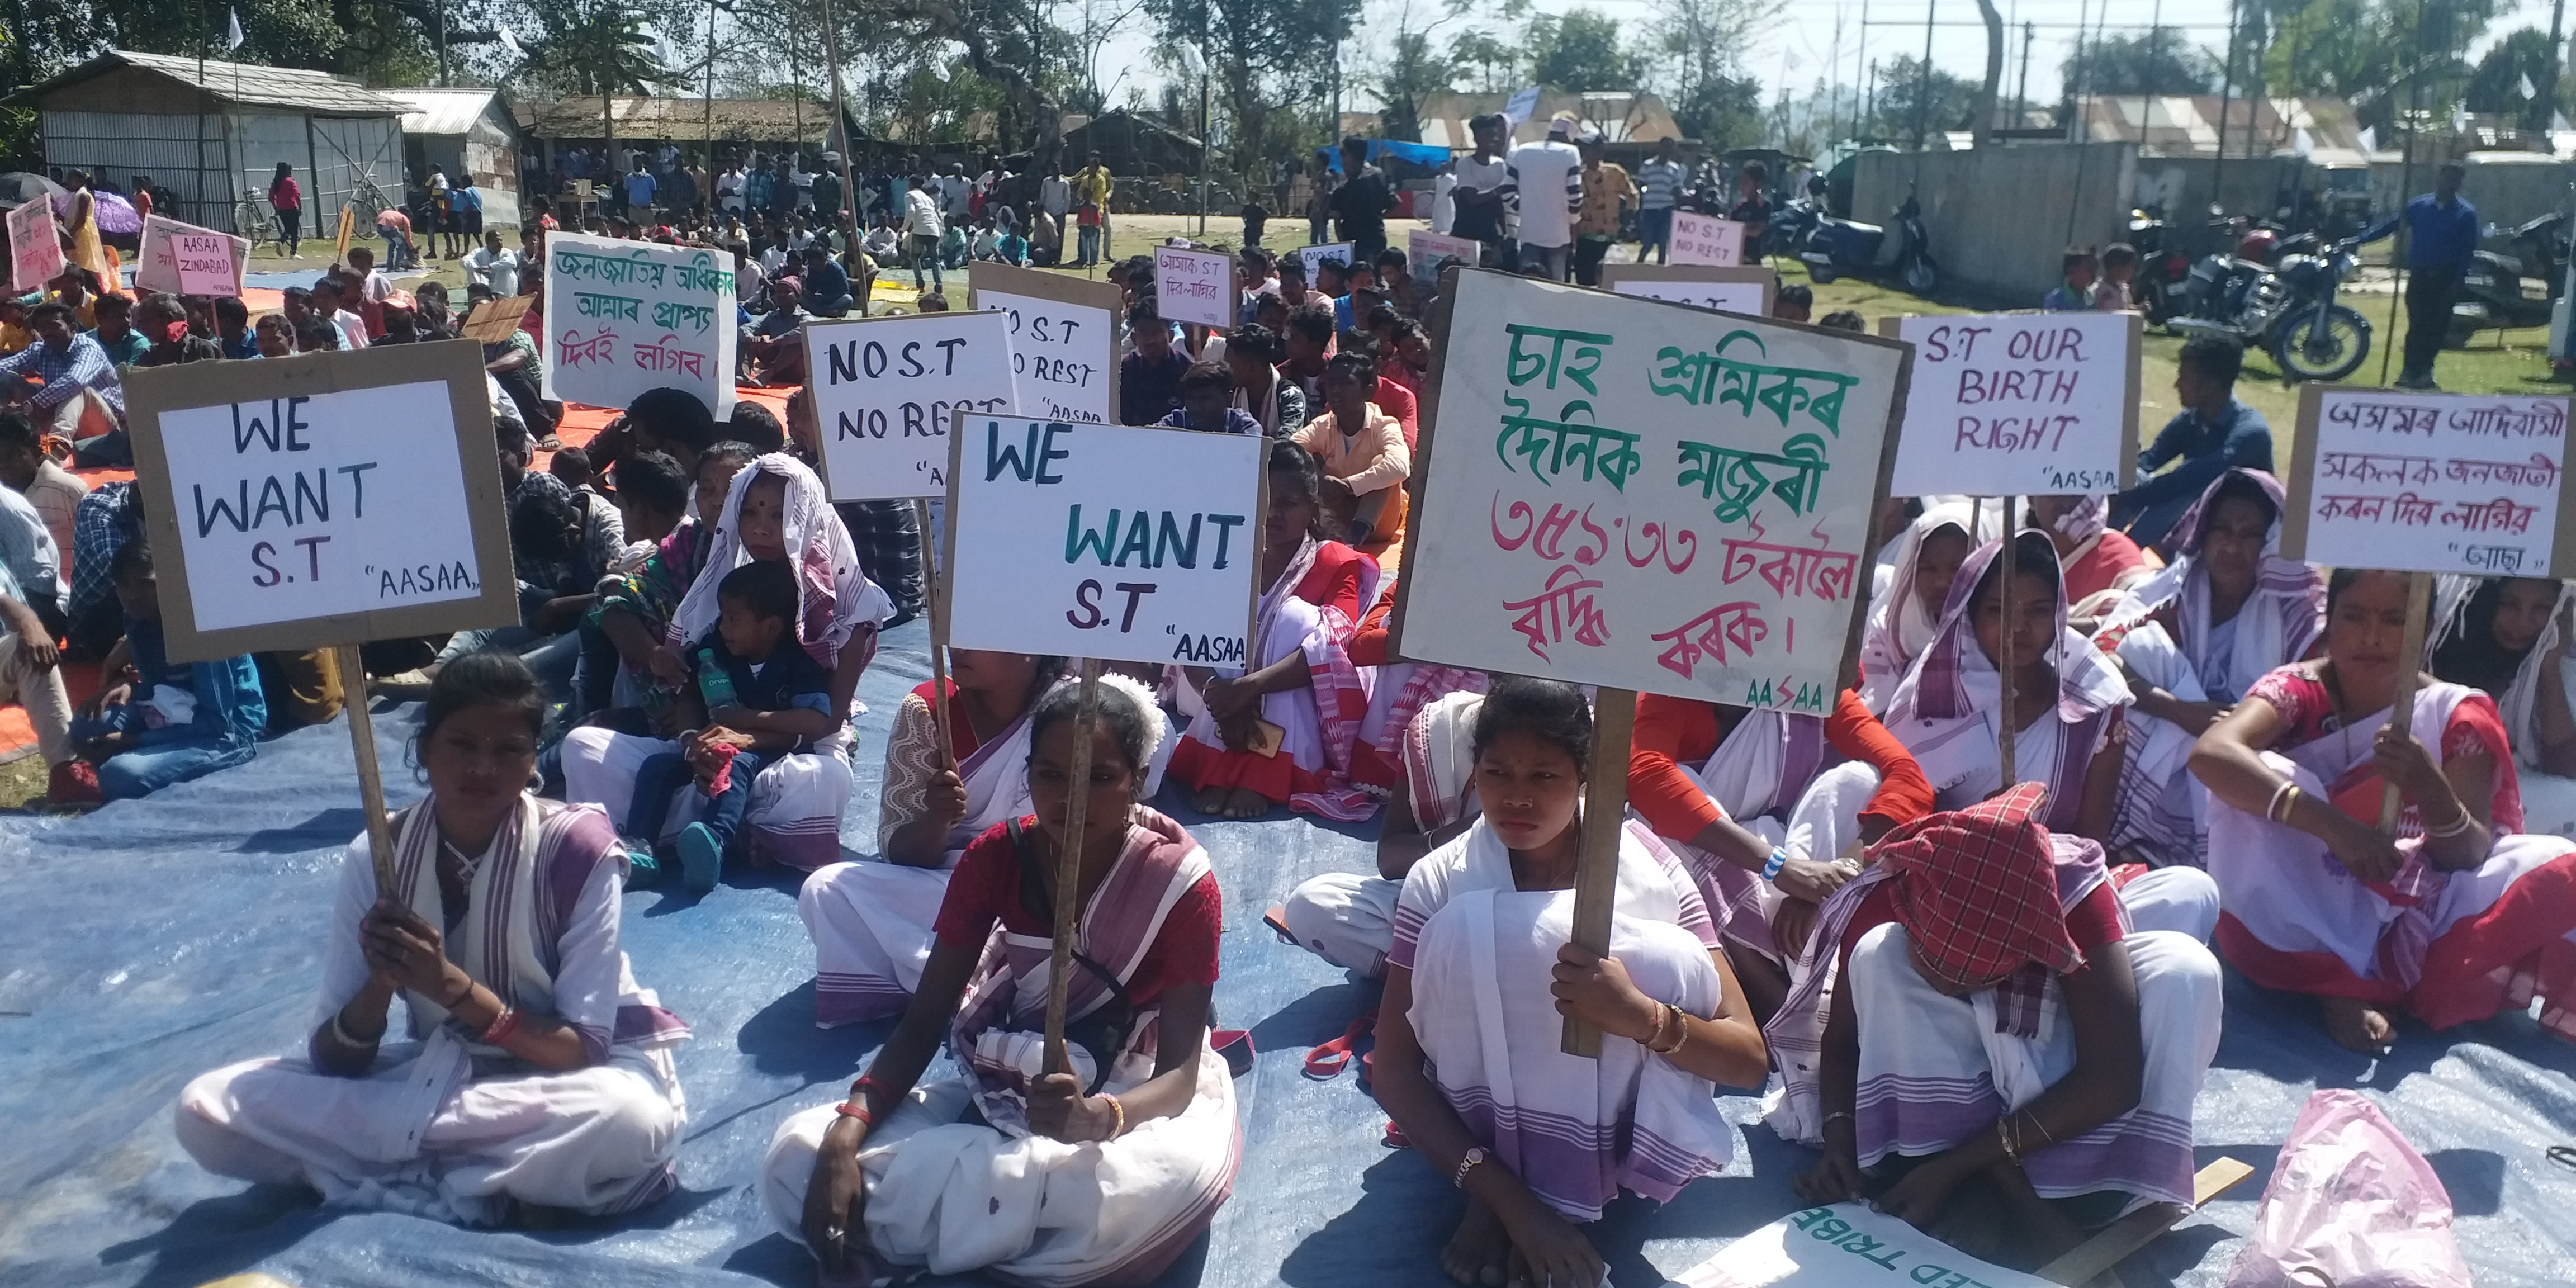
x,y
886,389
1120,543
326,498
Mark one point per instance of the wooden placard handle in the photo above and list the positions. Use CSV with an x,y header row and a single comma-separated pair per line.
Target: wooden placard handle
x,y
371,781
2006,726
1068,868
2410,661
938,633
1596,870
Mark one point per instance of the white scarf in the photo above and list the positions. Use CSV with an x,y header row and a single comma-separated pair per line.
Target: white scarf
x,y
833,598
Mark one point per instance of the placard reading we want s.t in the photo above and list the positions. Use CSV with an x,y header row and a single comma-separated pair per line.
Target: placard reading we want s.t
x,y
326,498
1123,543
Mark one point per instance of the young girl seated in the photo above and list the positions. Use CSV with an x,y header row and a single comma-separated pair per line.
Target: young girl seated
x,y
1364,458
1901,620
753,696
1104,1172
776,513
2508,636
871,922
1257,740
172,721
1481,976
528,1071
2005,1045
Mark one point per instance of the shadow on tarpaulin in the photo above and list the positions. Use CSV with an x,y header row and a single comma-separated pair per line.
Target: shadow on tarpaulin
x,y
153,940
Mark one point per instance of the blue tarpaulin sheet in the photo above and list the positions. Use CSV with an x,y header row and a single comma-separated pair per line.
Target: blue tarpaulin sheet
x,y
153,940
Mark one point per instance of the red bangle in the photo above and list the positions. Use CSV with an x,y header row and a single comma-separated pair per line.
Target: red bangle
x,y
865,1084
503,1027
859,1112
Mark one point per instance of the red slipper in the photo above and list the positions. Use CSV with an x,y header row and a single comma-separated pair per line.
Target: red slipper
x,y
1276,917
1328,1060
1395,1136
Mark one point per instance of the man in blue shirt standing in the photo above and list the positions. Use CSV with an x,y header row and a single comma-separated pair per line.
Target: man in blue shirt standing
x,y
2212,434
2441,236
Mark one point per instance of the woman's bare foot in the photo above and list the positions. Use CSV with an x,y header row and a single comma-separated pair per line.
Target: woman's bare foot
x,y
2356,1025
1211,801
1245,803
1474,1255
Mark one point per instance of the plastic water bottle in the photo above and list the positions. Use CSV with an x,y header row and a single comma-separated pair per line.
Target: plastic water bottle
x,y
714,681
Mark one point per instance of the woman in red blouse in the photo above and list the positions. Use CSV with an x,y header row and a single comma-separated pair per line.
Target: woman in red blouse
x,y
956,1173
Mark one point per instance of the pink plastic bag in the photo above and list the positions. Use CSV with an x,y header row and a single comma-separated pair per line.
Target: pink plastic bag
x,y
2351,1205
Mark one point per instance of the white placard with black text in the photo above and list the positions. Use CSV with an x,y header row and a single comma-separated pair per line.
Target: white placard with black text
x,y
1194,286
886,390
2444,483
2019,404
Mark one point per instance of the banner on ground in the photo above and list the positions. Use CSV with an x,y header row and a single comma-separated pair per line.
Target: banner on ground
x,y
885,390
623,317
206,264
1123,543
156,261
1732,290
321,499
1847,1246
2019,404
2457,483
1706,239
1064,339
1194,286
1646,496
35,245
1315,257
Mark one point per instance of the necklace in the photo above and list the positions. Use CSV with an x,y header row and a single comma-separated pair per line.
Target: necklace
x,y
465,864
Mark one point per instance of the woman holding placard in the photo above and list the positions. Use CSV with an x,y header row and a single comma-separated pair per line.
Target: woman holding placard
x,y
2508,636
1106,1173
2453,914
776,510
2190,641
531,1071
871,922
2001,1035
1260,738
1483,973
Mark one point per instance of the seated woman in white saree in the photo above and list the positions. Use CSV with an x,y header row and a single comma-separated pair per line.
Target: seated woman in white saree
x,y
1101,1174
776,510
530,1070
2508,636
1349,919
1901,620
2005,1036
2190,642
1303,691
2456,917
871,921
1480,976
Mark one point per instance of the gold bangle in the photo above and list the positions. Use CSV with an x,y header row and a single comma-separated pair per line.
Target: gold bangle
x,y
1118,1118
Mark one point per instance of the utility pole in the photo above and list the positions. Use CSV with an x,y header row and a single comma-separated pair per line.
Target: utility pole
x,y
832,51
2549,88
442,42
2226,93
2021,89
1923,93
1204,145
710,162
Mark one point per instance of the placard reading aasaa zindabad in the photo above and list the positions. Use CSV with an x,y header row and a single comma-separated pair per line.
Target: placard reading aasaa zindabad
x,y
1123,543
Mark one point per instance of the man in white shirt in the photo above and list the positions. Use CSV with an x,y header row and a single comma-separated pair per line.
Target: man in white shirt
x,y
1548,176
1055,196
803,181
729,188
954,192
493,267
1479,180
922,230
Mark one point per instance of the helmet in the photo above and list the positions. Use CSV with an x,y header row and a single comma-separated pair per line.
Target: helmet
x,y
2257,244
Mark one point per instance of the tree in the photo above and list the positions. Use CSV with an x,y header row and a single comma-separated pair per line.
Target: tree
x,y
1265,58
2161,61
1415,69
1578,51
1910,99
1698,46
1982,117
1497,61
2498,86
2383,56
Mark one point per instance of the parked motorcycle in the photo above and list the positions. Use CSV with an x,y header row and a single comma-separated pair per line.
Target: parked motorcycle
x,y
1832,247
2162,269
2286,308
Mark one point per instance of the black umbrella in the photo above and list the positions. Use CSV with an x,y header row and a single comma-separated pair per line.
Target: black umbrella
x,y
18,187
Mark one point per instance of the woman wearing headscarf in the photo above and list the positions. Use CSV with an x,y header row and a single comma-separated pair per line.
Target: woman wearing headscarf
x,y
777,509
2096,562
2190,641
2456,916
1901,621
2508,636
2007,1038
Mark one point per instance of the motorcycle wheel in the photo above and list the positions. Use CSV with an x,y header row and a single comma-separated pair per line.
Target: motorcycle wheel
x,y
1919,277
2308,351
1822,274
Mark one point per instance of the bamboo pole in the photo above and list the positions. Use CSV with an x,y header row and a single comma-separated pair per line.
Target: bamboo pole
x,y
1596,872
1068,868
371,782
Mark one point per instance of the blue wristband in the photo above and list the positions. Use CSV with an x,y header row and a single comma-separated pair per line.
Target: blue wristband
x,y
1779,860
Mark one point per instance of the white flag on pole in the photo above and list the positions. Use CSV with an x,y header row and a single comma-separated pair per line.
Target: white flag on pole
x,y
2529,91
232,31
511,43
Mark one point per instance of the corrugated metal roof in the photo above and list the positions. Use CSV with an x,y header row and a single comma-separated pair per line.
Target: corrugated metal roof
x,y
680,120
443,111
291,88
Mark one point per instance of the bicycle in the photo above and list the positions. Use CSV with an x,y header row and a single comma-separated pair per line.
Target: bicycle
x,y
366,201
254,221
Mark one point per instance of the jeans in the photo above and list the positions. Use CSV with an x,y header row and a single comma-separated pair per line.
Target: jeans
x,y
1655,233
399,253
1090,246
552,657
925,250
2429,292
166,756
836,307
1549,259
665,774
1588,254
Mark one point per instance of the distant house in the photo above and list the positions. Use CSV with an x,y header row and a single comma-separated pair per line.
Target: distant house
x,y
213,132
1623,117
464,131
2188,125
1131,143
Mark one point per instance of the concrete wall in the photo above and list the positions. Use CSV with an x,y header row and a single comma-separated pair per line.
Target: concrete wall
x,y
1998,217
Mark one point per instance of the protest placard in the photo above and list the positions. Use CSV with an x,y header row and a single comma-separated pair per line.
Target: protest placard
x,y
1424,251
1641,495
1706,239
1314,257
623,317
35,245
492,321
1847,1246
326,499
2432,483
1733,290
2019,404
1120,543
1064,339
206,265
1194,286
886,388
156,261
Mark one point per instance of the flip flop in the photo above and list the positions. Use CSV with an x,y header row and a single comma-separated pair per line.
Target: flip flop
x,y
1394,1138
1327,1061
1276,917
1236,1046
